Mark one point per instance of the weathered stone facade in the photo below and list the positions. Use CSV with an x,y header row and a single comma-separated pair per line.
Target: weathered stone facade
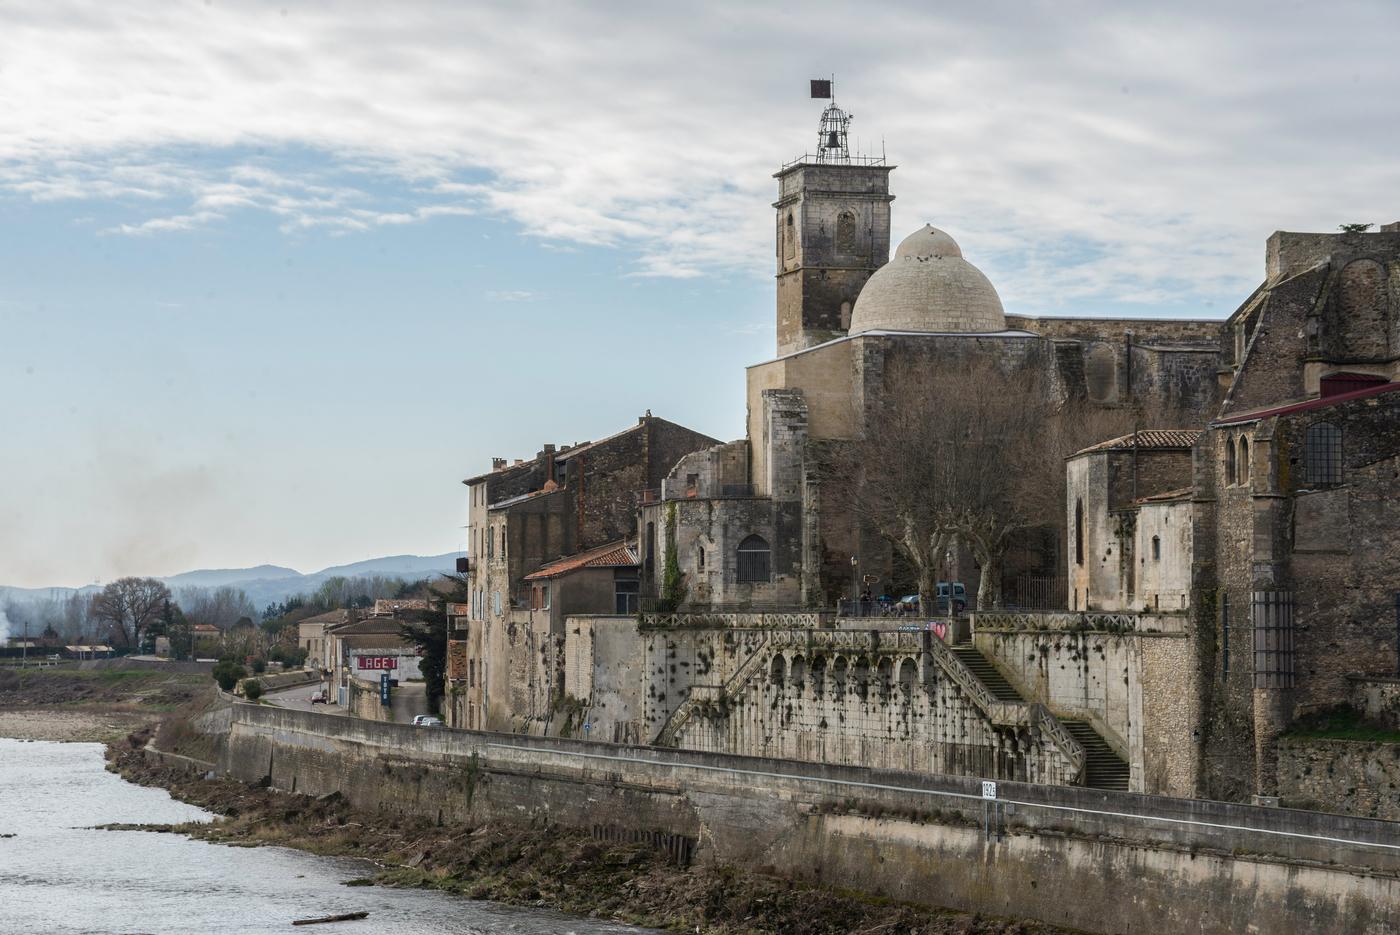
x,y
523,516
833,231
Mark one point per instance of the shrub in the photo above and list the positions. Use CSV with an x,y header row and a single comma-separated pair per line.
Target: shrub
x,y
259,667
252,689
228,674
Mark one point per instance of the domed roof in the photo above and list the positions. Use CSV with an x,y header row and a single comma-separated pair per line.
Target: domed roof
x,y
927,241
928,286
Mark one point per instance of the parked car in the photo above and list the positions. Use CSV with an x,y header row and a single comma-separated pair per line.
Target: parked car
x,y
426,720
318,697
909,604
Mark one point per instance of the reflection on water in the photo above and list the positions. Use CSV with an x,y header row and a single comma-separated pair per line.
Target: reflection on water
x,y
59,879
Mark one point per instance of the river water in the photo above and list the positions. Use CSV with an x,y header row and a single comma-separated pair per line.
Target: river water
x,y
60,877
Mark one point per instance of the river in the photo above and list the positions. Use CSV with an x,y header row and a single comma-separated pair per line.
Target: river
x,y
59,876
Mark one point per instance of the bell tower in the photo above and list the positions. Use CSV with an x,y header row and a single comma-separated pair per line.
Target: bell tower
x,y
833,231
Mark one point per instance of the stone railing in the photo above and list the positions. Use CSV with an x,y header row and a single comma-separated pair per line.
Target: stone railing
x,y
1011,713
703,694
1014,714
735,620
1060,621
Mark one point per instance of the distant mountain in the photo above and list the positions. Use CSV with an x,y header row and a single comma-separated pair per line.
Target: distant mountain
x,y
270,584
213,578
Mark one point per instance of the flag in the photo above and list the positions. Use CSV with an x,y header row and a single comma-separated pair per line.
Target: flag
x,y
821,87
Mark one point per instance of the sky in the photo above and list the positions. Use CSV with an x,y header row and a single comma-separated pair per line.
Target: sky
x,y
275,277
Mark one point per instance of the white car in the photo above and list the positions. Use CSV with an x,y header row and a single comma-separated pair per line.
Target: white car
x,y
426,720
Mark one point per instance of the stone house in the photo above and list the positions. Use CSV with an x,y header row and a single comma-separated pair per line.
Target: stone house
x,y
566,501
1123,496
1284,535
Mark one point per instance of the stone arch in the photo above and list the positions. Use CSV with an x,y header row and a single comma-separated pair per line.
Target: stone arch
x,y
1360,323
797,671
1244,460
908,675
777,669
846,233
789,238
884,674
860,675
1101,374
819,667
840,669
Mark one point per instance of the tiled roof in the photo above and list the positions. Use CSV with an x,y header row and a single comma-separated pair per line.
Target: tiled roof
x,y
1148,440
1235,418
613,555
1168,495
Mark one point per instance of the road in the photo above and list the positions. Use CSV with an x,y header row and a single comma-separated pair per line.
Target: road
x,y
299,699
410,698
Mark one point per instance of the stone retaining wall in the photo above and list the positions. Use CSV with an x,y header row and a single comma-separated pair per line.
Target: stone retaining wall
x,y
1132,863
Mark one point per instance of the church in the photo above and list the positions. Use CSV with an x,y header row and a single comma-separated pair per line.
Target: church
x,y
754,522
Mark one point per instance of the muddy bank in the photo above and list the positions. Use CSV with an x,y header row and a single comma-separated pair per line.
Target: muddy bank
x,y
544,867
93,725
69,704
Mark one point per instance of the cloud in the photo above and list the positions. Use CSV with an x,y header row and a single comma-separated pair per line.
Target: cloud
x,y
1119,153
510,295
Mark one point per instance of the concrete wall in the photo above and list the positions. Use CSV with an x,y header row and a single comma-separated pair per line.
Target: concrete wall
x,y
1133,863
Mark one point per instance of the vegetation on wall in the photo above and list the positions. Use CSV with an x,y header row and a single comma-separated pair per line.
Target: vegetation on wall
x,y
672,581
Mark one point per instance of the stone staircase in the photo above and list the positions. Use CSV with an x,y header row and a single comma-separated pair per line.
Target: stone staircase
x,y
1103,768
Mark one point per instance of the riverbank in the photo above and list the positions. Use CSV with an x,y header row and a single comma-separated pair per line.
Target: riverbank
x,y
69,726
73,705
546,867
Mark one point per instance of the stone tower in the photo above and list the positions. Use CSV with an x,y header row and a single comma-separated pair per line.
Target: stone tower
x,y
833,231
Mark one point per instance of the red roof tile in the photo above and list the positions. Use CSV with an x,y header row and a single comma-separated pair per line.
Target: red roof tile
x,y
613,555
1147,440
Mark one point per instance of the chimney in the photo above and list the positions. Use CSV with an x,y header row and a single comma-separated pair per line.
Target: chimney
x,y
498,464
548,456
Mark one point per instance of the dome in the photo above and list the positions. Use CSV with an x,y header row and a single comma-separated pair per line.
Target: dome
x,y
928,286
927,241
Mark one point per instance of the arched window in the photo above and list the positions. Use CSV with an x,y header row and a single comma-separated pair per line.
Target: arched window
x,y
1156,548
1322,453
1229,461
1244,460
789,238
846,233
754,559
1079,532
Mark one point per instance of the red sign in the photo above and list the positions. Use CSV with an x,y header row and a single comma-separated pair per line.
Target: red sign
x,y
377,662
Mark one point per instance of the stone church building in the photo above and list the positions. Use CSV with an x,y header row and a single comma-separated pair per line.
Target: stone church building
x,y
754,522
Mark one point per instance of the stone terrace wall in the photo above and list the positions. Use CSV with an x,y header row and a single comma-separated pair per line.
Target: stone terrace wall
x,y
1125,673
1346,776
1133,863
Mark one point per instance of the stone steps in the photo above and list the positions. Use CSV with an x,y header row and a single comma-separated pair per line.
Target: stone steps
x,y
1103,767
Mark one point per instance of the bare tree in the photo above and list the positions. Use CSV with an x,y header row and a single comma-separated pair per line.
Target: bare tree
x,y
130,605
968,454
222,606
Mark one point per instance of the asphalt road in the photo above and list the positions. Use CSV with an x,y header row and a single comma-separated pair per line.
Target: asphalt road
x,y
299,699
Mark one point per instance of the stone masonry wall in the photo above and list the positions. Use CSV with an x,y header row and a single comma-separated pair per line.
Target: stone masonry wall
x,y
1204,867
1348,777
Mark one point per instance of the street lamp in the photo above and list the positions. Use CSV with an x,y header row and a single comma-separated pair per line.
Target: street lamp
x,y
855,586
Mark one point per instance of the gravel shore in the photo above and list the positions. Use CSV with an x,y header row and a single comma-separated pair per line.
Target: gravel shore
x,y
84,726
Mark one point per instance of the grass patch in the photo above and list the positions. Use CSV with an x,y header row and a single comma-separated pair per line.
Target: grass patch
x,y
1342,722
